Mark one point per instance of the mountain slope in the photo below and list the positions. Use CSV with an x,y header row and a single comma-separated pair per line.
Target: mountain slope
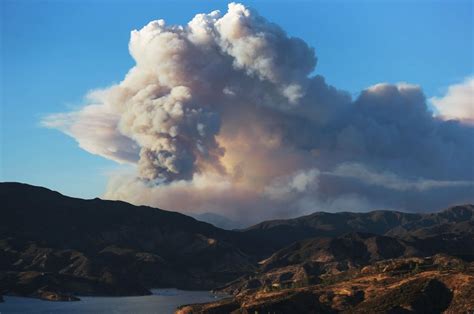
x,y
53,246
437,284
280,233
353,248
115,243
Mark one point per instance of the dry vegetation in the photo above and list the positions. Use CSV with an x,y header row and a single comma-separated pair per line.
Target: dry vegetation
x,y
408,285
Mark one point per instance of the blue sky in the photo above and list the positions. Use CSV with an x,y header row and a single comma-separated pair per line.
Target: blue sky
x,y
54,52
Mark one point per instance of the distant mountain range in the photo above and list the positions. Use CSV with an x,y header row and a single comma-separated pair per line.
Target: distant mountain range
x,y
218,220
55,247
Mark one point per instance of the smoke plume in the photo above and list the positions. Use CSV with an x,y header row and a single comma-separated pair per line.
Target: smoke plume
x,y
458,103
225,115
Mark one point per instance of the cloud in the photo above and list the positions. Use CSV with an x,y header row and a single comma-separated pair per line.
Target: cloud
x,y
458,103
223,115
299,182
95,129
390,180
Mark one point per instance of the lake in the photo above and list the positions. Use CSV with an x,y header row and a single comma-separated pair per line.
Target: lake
x,y
162,301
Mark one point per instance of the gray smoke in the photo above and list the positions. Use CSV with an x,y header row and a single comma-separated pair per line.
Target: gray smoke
x,y
223,115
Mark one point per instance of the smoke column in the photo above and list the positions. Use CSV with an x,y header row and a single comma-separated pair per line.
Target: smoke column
x,y
224,115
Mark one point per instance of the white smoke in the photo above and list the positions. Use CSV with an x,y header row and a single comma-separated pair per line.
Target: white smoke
x,y
223,115
458,103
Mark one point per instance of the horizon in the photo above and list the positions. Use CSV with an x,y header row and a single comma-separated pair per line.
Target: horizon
x,y
317,136
228,224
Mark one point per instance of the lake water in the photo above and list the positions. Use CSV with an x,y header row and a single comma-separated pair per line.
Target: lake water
x,y
162,301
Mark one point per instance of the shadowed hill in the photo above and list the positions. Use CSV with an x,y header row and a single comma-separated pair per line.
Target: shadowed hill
x,y
64,222
354,249
111,242
279,233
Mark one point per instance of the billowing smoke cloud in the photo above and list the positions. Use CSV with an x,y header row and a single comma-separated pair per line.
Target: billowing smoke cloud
x,y
224,115
458,103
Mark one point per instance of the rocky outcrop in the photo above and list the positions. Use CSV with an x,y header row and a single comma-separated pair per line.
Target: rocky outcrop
x,y
47,295
439,284
421,295
306,262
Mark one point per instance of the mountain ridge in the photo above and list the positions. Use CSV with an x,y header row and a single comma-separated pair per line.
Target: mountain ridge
x,y
54,247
